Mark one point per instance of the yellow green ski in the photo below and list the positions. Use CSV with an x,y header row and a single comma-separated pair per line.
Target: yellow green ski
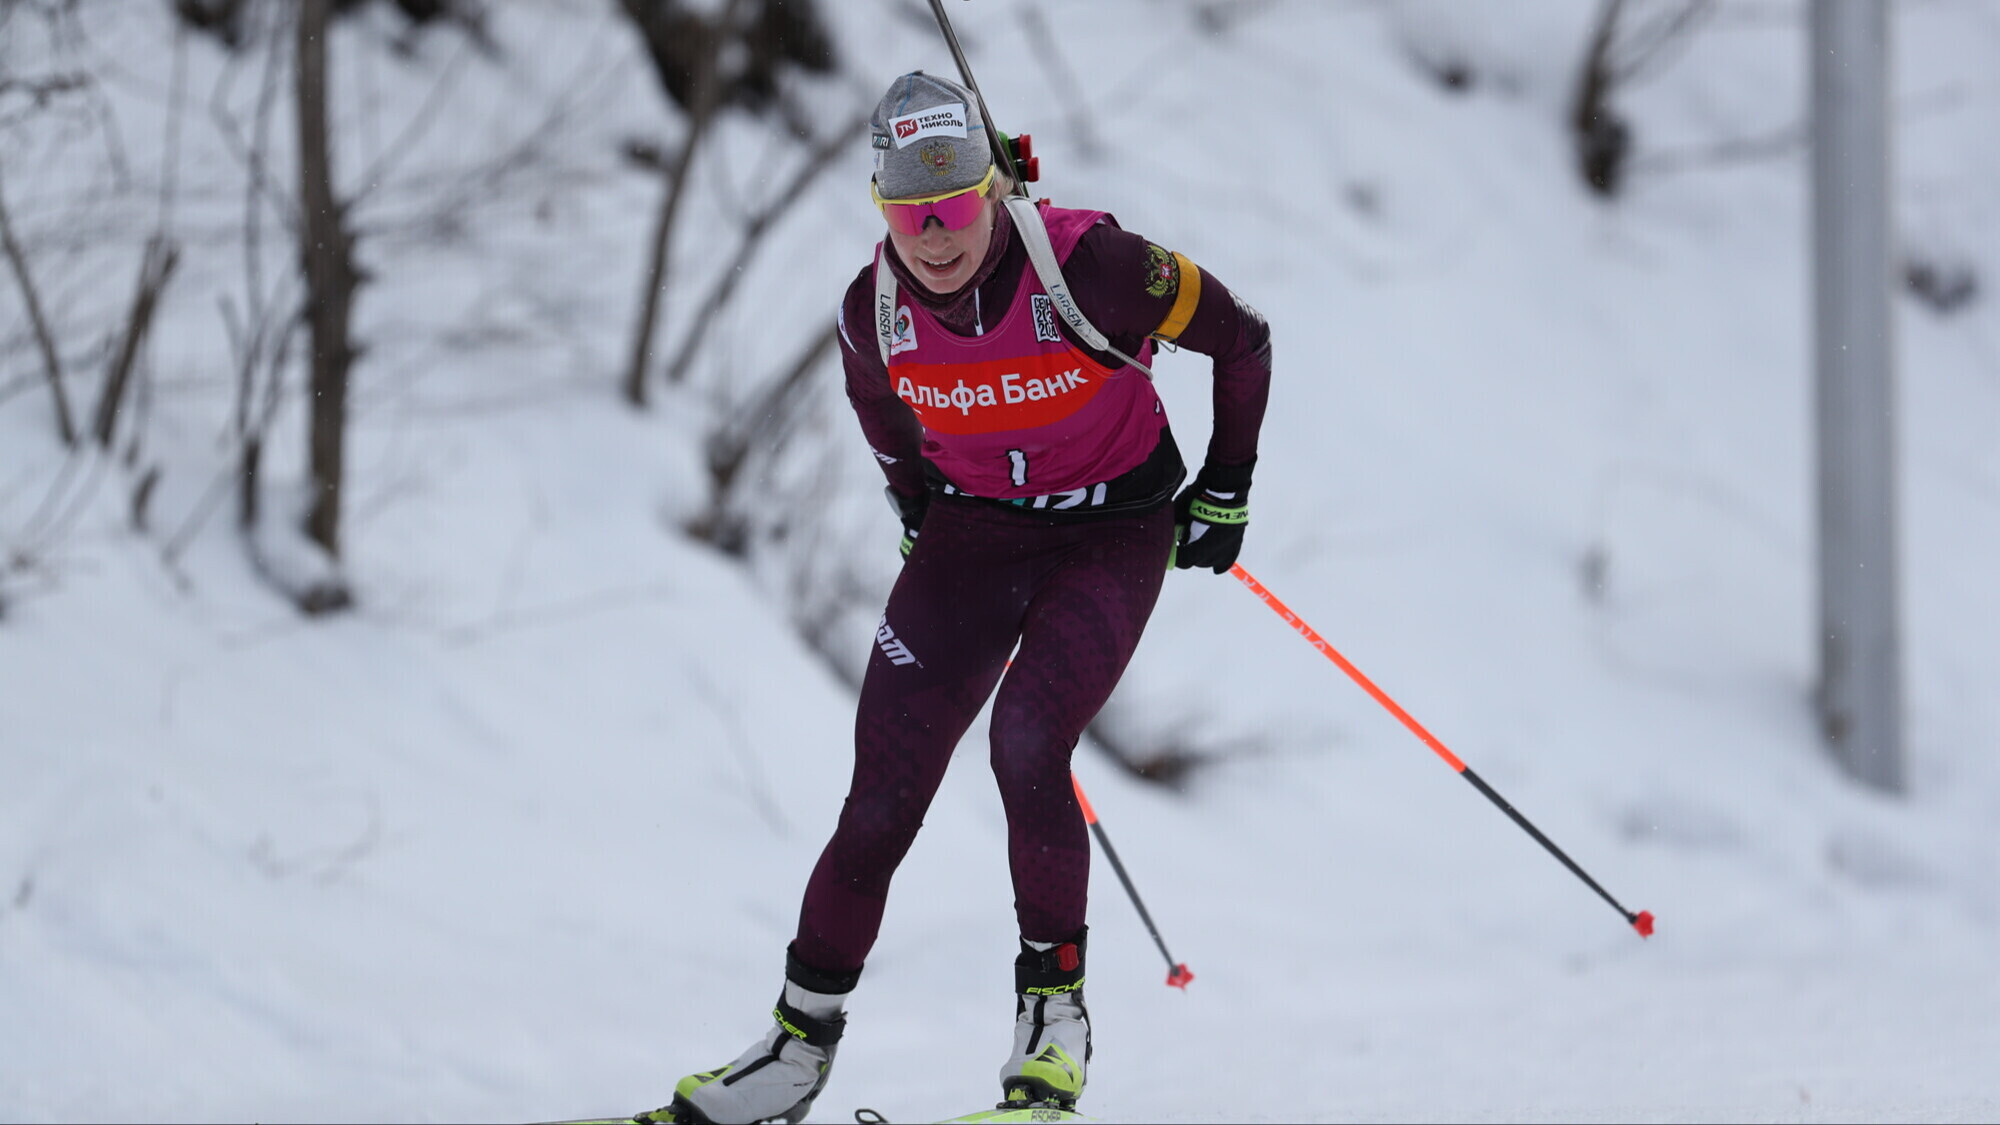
x,y
1022,1113
1005,1113
1016,1109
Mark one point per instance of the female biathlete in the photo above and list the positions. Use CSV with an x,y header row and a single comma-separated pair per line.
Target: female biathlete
x,y
1035,479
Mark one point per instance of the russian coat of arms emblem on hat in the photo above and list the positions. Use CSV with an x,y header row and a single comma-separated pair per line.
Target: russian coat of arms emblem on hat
x,y
938,157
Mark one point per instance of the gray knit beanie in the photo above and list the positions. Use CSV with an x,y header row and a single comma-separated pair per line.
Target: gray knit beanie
x,y
928,138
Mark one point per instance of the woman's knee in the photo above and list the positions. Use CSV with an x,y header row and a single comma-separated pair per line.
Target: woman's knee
x,y
1029,757
878,829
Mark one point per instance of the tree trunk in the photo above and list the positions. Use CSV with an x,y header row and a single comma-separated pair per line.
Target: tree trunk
x,y
326,253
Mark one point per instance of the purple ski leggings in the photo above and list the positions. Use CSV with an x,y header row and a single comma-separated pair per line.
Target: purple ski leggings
x,y
1076,597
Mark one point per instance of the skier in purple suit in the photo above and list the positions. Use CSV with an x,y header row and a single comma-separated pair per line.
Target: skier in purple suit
x,y
1035,478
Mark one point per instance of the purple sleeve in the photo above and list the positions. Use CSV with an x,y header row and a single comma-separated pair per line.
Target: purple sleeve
x,y
1127,287
888,423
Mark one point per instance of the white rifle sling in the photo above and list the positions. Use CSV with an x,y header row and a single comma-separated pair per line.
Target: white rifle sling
x,y
885,305
1042,255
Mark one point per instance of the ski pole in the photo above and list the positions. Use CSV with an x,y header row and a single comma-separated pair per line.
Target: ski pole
x,y
1177,972
1641,921
1000,157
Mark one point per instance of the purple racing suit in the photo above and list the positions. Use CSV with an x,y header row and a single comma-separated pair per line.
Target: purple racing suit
x,y
1052,473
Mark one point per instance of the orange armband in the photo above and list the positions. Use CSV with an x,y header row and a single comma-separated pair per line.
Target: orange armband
x,y
1184,305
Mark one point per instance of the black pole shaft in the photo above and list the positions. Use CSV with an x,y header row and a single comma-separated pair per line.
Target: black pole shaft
x,y
1111,854
1493,795
1000,158
1642,921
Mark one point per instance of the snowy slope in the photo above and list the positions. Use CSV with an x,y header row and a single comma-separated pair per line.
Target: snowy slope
x,y
523,838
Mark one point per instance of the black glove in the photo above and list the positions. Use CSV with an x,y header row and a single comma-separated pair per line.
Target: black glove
x,y
910,510
1211,515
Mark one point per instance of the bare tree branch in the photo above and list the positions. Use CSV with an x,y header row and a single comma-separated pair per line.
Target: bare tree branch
x,y
1047,50
51,359
65,505
20,384
262,186
39,91
1618,56
705,103
1770,144
449,197
251,430
142,500
254,195
656,265
754,231
170,160
256,345
1647,45
767,418
415,128
155,269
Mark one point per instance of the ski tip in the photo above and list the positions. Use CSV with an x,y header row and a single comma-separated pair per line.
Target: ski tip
x,y
1180,977
1643,922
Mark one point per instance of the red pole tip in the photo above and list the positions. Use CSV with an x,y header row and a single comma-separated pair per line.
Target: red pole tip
x,y
1644,923
1179,977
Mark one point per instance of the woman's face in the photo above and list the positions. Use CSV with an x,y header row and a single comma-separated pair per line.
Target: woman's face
x,y
944,260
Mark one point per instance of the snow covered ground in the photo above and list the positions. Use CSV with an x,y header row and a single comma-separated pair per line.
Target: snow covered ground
x,y
524,836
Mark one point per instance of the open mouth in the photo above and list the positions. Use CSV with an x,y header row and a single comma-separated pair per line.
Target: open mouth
x,y
940,269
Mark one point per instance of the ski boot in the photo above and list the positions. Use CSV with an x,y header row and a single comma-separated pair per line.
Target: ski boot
x,y
1051,1026
780,1075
